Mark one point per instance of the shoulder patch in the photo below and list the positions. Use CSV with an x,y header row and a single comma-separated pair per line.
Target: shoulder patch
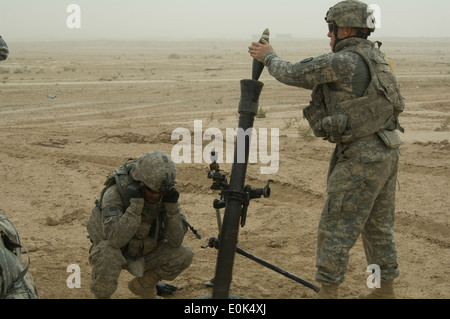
x,y
111,211
306,60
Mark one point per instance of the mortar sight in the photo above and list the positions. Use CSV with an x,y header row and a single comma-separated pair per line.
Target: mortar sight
x,y
219,178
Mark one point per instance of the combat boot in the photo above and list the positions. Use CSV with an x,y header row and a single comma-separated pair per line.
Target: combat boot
x,y
328,292
385,292
145,286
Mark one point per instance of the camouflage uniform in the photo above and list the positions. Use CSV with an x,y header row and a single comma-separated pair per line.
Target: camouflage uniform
x,y
363,168
3,50
16,281
142,232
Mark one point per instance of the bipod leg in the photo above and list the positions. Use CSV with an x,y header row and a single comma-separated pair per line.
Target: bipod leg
x,y
277,269
214,241
219,219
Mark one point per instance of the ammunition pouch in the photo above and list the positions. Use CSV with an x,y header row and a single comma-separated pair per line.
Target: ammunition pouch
x,y
143,230
332,128
390,138
315,112
146,236
335,128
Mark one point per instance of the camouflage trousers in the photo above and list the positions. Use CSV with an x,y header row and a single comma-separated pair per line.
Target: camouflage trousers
x,y
107,262
361,201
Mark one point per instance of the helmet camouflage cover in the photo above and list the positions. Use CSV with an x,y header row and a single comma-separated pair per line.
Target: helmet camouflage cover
x,y
156,170
351,13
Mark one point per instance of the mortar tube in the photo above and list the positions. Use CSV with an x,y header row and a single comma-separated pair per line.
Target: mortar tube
x,y
248,108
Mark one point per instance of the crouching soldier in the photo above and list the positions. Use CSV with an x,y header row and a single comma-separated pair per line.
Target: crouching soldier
x,y
137,224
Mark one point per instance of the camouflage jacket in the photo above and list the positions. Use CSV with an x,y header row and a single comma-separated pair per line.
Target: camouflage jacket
x,y
354,85
142,225
347,71
138,227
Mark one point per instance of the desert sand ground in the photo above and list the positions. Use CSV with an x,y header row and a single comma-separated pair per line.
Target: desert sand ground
x,y
71,112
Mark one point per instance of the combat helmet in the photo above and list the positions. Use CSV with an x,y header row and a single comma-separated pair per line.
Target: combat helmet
x,y
351,13
156,170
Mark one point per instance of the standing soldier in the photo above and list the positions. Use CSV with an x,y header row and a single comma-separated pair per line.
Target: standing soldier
x,y
3,50
138,225
355,104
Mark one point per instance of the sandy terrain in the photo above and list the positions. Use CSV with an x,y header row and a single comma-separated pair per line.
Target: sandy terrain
x,y
72,112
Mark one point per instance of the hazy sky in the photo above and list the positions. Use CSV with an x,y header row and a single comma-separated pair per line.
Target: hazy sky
x,y
188,19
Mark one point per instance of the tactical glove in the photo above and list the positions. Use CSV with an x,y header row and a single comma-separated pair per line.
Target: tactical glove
x,y
171,196
136,190
170,202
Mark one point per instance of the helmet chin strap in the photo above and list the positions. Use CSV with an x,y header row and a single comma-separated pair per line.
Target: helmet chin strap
x,y
336,39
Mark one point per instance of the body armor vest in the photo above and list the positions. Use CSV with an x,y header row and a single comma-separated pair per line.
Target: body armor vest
x,y
378,108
